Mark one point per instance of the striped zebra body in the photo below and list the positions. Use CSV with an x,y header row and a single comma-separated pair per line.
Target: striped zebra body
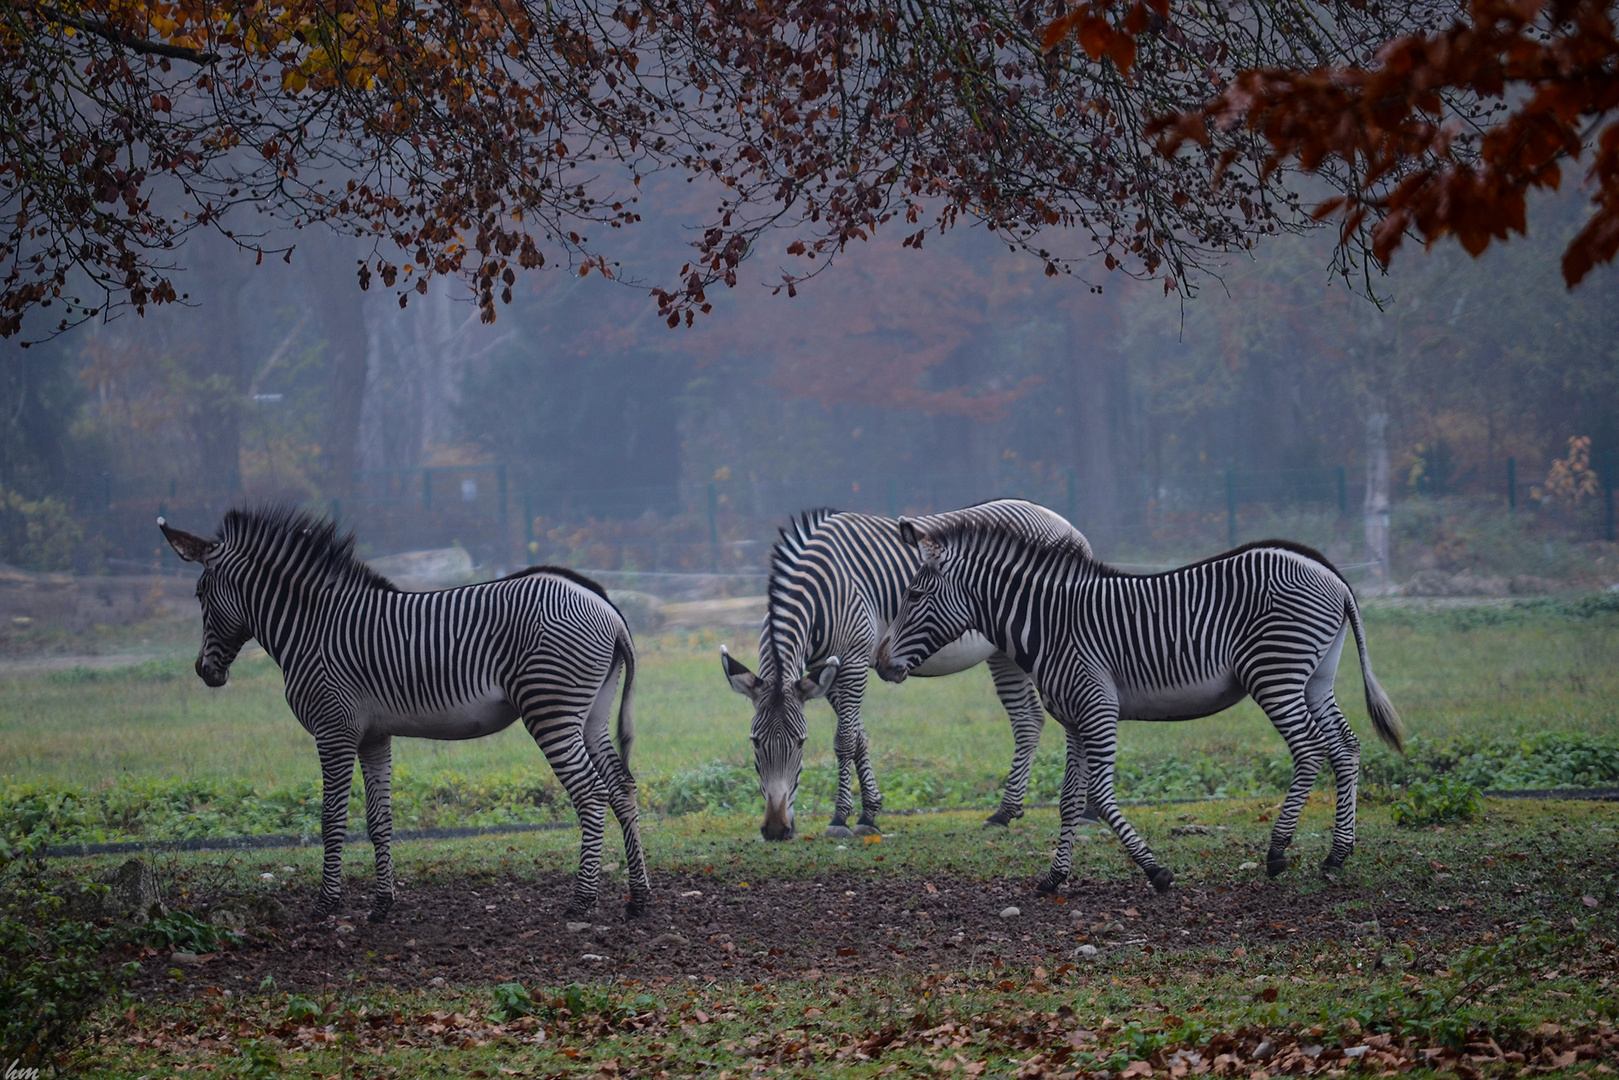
x,y
1268,619
365,662
836,581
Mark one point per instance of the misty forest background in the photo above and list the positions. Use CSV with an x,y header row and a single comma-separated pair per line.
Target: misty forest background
x,y
577,428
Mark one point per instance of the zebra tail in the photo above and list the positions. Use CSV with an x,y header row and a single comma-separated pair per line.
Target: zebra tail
x,y
1390,728
624,649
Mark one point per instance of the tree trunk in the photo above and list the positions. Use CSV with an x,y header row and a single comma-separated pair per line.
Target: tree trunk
x,y
1377,499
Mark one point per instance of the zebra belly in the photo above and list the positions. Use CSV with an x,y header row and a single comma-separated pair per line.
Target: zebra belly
x,y
969,650
1187,702
466,720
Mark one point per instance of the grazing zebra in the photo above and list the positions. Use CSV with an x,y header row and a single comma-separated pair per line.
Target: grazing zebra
x,y
1267,619
836,581
365,662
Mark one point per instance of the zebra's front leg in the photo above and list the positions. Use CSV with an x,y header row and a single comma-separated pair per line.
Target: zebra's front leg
x,y
376,766
337,776
1101,753
1022,703
853,744
1073,804
1309,747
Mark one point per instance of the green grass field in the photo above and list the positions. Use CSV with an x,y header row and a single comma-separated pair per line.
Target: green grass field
x,y
1457,679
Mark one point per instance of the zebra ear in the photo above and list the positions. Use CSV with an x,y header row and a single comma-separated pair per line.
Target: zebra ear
x,y
908,534
737,674
188,547
818,682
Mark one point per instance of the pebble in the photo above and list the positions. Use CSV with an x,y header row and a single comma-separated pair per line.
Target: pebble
x,y
1010,913
1085,951
182,957
1077,916
591,956
1249,866
436,981
609,867
578,927
670,939
266,876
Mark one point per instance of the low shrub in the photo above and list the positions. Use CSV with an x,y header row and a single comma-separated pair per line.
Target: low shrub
x,y
1435,802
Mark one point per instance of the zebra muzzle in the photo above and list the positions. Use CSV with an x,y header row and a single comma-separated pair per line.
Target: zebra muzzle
x,y
214,677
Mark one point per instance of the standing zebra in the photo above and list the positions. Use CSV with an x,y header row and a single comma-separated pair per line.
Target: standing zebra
x,y
365,662
1266,619
836,581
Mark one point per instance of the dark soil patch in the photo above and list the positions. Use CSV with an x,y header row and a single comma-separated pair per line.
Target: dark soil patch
x,y
784,930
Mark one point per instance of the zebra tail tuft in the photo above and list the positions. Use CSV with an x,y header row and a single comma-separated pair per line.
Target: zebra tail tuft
x,y
1390,728
626,705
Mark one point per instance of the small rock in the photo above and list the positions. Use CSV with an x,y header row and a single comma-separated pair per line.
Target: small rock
x,y
1076,916
345,928
1010,913
591,956
1191,830
228,917
578,927
1086,951
1264,1051
1250,865
267,876
437,981
670,939
609,867
183,958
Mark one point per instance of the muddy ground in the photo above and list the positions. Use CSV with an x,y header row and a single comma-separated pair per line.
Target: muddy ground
x,y
782,930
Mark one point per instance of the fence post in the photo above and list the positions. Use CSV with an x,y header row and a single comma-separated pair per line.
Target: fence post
x,y
1343,492
427,490
1512,484
1070,514
500,488
1231,507
713,526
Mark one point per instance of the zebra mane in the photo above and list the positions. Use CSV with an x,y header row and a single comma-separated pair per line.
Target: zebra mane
x,y
281,533
791,539
1077,548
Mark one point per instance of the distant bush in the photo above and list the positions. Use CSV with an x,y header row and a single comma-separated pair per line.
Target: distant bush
x,y
1545,759
38,535
1435,802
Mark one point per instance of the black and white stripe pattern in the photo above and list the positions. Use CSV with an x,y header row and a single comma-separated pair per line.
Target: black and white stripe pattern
x,y
1267,619
836,581
365,662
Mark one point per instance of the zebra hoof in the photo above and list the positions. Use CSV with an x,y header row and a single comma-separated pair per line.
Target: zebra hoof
x,y
864,829
999,817
838,832
636,908
1276,863
324,909
1050,883
1161,878
377,915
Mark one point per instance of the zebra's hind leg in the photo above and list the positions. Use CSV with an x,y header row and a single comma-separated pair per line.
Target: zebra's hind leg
x,y
1309,747
337,776
562,740
376,767
620,787
1022,703
1343,752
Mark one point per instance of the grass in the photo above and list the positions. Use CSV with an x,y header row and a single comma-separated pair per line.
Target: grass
x,y
1537,955
166,756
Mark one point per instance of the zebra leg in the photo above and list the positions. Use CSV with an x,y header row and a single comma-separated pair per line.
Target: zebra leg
x,y
337,776
1291,716
620,785
838,829
1073,803
852,745
376,766
1343,751
1022,703
1101,752
561,737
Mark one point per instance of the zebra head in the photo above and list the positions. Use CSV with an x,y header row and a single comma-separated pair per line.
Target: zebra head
x,y
934,612
778,733
224,616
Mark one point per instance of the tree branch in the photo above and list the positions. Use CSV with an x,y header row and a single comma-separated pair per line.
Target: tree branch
x,y
128,41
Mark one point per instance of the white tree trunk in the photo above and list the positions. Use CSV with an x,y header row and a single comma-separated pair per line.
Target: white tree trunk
x,y
1377,501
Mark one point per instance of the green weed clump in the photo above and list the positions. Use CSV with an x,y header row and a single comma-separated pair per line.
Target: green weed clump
x,y
1547,759
1435,802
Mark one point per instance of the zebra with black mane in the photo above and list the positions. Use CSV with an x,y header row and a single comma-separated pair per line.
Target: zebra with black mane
x,y
365,662
1267,619
836,581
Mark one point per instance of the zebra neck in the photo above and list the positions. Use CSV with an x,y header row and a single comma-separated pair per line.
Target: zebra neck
x,y
282,616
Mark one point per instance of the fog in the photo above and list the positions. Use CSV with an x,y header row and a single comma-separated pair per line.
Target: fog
x,y
579,429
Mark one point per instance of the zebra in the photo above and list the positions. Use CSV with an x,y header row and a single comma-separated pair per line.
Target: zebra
x,y
836,581
364,662
1266,619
